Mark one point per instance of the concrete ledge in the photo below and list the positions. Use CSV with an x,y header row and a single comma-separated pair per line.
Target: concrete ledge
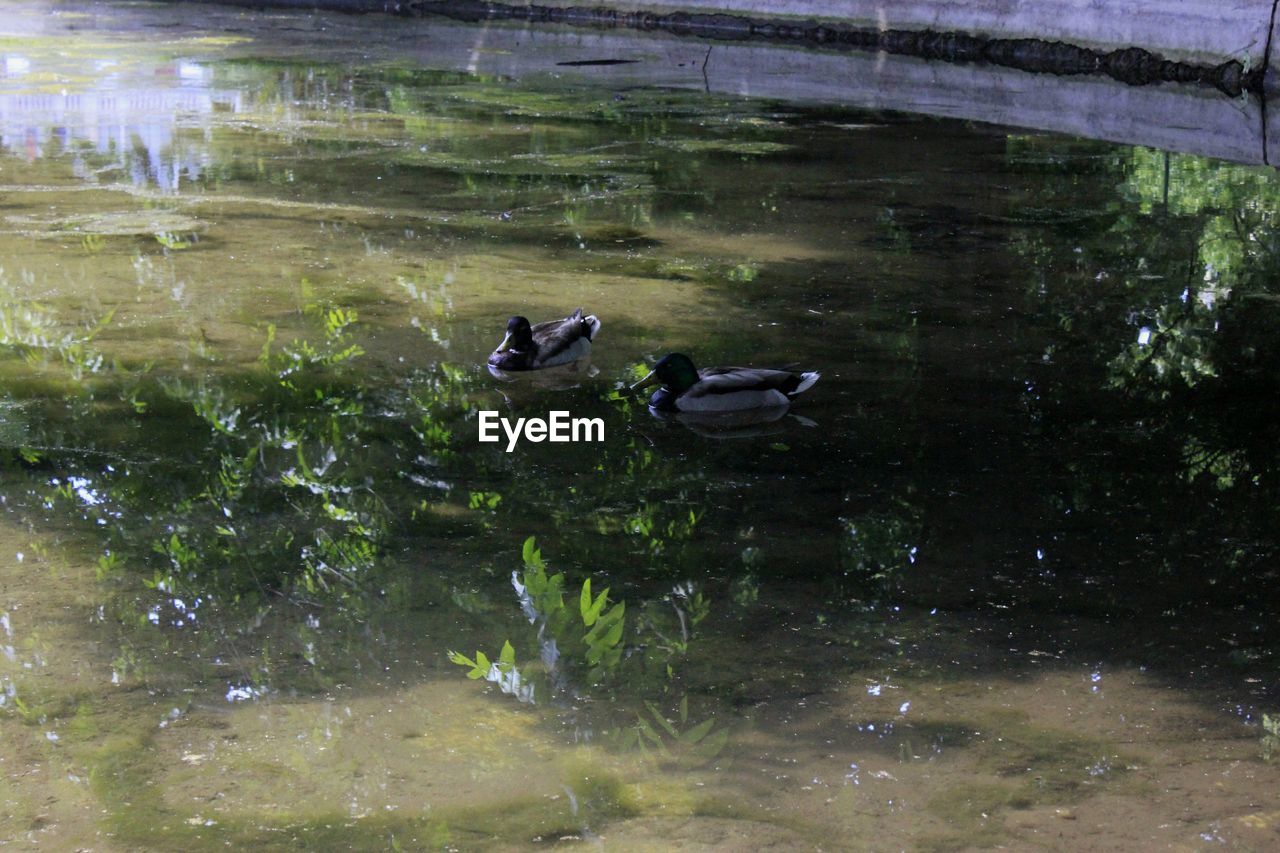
x,y
1201,31
1220,43
1192,119
1195,121
1227,49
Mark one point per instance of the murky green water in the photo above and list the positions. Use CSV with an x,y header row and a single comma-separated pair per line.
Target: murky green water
x,y
1006,577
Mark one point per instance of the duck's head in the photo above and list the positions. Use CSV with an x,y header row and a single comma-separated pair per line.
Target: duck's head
x,y
674,372
519,335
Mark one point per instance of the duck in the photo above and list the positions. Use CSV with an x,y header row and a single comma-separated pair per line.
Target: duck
x,y
720,389
548,344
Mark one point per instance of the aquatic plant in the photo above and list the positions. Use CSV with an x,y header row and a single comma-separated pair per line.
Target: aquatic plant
x,y
1270,736
678,738
587,636
582,652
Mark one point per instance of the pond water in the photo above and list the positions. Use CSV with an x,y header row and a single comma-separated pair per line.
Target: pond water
x,y
1006,576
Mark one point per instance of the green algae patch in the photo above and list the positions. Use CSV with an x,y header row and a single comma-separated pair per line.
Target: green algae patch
x,y
161,224
1017,765
971,814
727,146
530,103
287,788
432,761
38,704
120,773
214,41
1056,765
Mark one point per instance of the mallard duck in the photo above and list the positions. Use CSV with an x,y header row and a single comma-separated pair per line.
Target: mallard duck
x,y
547,344
720,389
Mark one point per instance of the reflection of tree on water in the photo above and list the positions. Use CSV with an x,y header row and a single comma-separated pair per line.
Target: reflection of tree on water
x,y
1166,297
878,547
250,516
231,493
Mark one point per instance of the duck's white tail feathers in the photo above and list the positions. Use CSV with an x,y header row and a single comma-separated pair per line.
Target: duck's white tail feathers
x,y
806,382
593,326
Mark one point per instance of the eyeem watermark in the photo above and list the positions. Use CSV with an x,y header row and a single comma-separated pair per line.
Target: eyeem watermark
x,y
558,426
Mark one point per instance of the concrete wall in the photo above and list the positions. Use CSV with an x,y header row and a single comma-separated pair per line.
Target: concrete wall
x,y
1196,121
1192,119
1197,31
1210,31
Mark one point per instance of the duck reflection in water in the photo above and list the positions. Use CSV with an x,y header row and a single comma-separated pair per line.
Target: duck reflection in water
x,y
748,423
558,378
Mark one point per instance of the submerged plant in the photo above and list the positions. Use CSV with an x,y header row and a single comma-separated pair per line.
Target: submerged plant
x,y
1271,736
878,548
224,498
653,732
588,636
37,334
582,652
502,672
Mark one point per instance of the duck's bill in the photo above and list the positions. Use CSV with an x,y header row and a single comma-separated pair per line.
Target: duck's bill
x,y
505,345
651,379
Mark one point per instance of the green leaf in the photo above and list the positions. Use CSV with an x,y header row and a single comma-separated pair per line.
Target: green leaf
x,y
605,626
551,598
591,610
647,730
508,654
535,582
712,745
479,666
698,732
558,620
532,555
265,356
612,615
593,656
662,721
613,635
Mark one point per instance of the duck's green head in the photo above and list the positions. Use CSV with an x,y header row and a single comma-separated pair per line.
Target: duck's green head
x,y
675,372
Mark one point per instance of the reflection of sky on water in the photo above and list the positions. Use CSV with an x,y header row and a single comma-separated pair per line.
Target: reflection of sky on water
x,y
128,119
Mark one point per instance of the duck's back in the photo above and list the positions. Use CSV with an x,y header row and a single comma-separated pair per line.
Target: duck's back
x,y
564,341
722,389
